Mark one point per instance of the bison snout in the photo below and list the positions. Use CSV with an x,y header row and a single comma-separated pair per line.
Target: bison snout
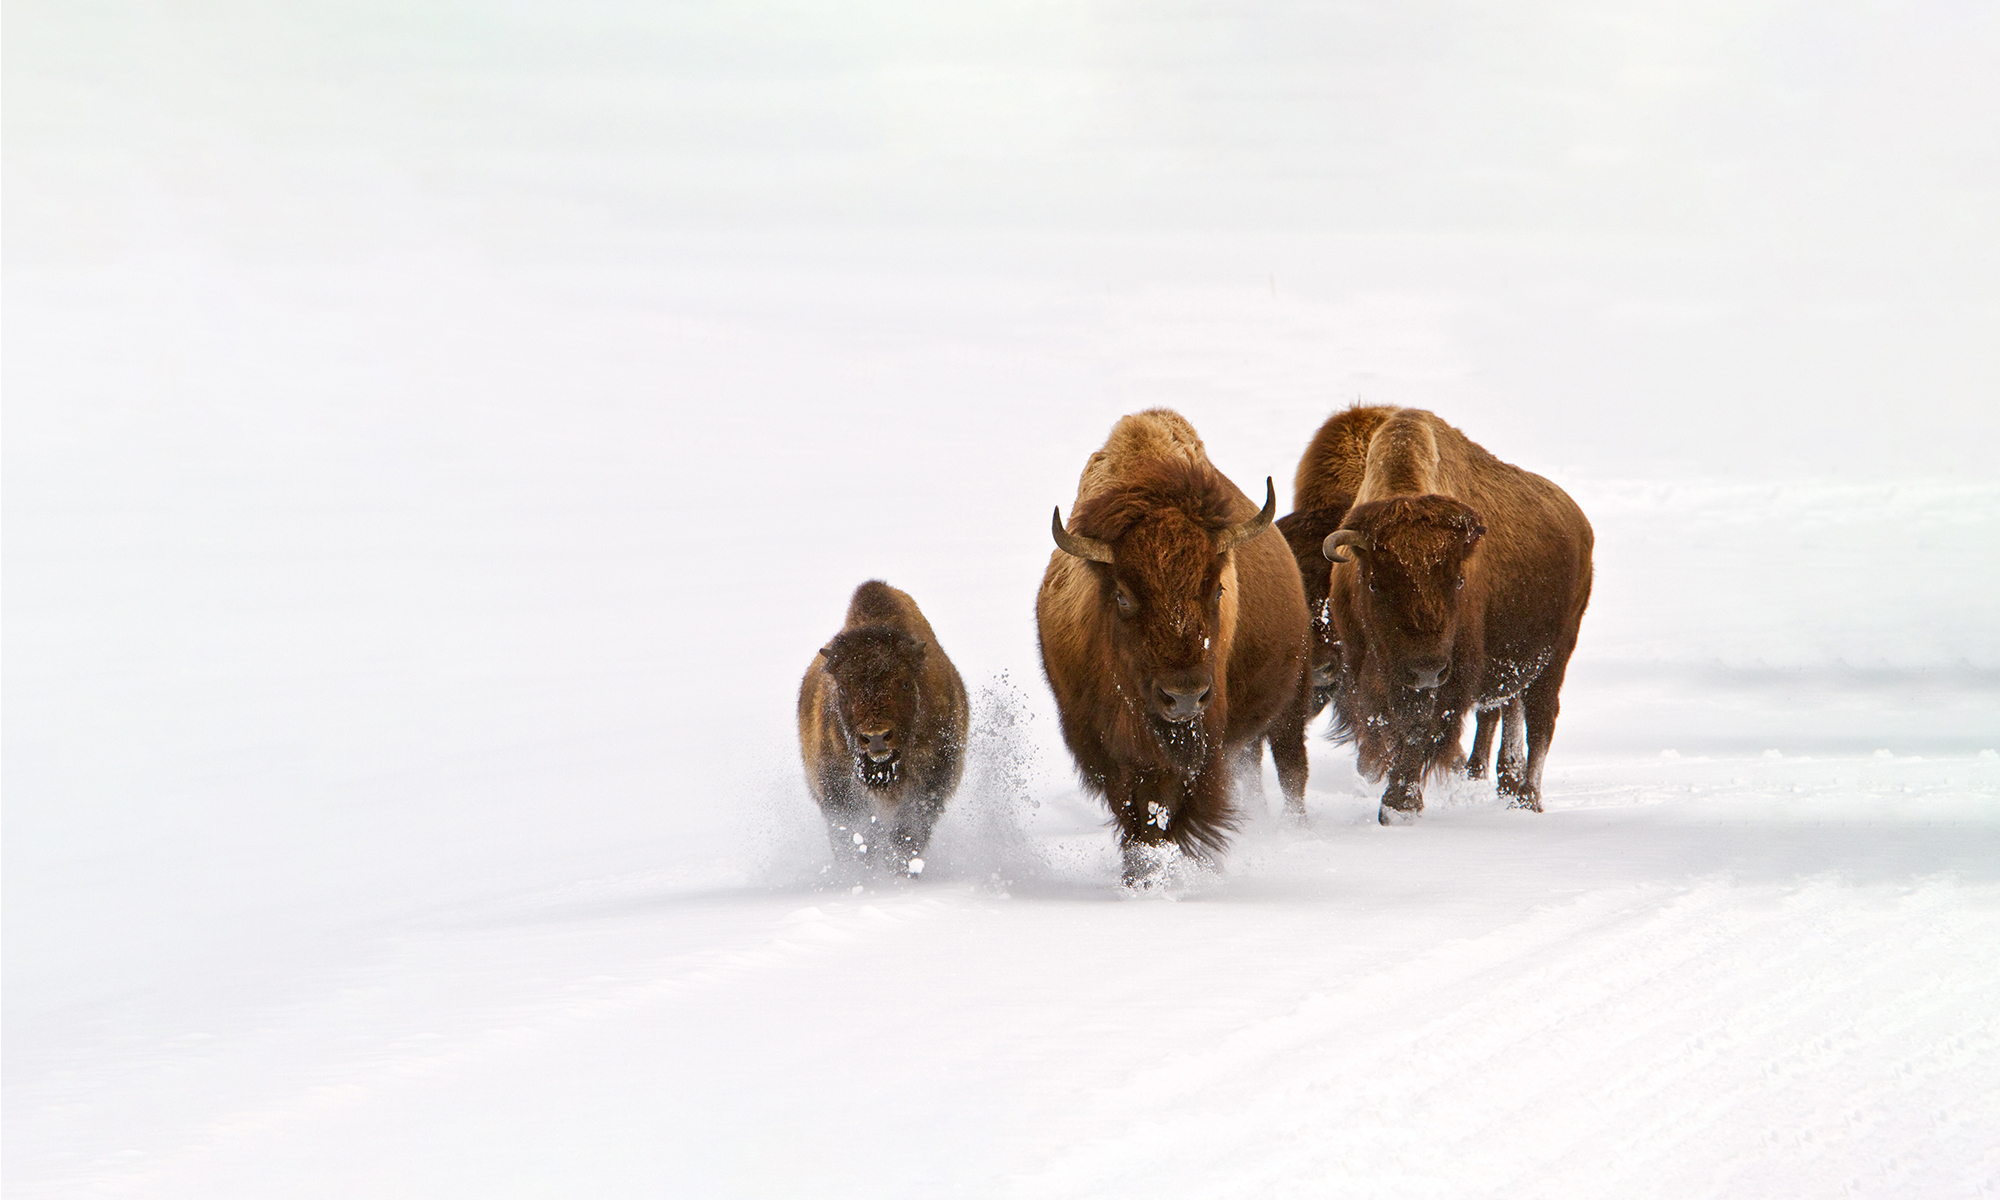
x,y
879,744
1181,700
1423,674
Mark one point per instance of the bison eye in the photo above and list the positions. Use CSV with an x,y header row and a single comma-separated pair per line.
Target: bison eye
x,y
1371,585
1461,581
1218,596
1125,605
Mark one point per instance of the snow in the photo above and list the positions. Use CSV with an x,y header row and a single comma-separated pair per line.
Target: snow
x,y
1726,977
438,439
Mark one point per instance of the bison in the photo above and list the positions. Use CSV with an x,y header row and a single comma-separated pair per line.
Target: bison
x,y
882,729
1463,591
1174,638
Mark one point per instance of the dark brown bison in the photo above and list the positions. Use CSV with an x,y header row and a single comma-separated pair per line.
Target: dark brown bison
x,y
882,725
1457,585
1174,638
1305,533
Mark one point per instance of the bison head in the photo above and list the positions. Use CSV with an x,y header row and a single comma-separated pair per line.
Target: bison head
x,y
1410,554
1305,532
876,672
1162,547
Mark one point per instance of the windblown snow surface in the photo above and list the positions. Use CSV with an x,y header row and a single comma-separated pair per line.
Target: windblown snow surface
x,y
439,437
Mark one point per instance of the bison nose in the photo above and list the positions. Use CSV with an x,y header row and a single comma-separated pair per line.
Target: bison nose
x,y
1183,703
1424,674
881,743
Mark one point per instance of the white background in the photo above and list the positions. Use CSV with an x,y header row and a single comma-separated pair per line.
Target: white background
x,y
437,436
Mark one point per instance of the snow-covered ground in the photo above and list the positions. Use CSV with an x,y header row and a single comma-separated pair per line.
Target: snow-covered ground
x,y
437,439
1691,977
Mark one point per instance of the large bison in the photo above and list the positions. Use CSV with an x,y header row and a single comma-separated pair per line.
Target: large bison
x,y
1174,638
882,727
1457,585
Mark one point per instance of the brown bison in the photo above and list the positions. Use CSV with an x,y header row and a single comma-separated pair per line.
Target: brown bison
x,y
1465,586
1174,638
882,726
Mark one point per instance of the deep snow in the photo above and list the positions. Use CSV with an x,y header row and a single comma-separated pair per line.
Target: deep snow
x,y
437,439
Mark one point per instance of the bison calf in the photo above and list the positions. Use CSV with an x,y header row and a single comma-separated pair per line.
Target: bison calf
x,y
882,728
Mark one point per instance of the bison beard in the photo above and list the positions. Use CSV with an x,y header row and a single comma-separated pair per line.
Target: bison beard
x,y
878,775
1174,638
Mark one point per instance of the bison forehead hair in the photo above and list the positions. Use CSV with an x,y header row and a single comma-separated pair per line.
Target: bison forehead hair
x,y
872,656
1194,490
1418,531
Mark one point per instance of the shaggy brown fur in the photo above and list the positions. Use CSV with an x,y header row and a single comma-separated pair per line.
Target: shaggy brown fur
x,y
1331,469
1180,652
882,728
1305,532
1467,582
1323,488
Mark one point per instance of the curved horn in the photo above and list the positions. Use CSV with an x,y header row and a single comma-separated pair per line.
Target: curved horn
x,y
1343,537
1073,543
1243,531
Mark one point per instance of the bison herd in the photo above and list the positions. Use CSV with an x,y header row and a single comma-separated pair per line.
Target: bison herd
x,y
1419,580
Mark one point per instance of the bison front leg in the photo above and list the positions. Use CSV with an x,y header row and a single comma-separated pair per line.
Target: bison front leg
x,y
903,849
1513,771
1540,702
1426,742
1145,805
1403,799
851,829
1484,726
1409,751
1164,816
